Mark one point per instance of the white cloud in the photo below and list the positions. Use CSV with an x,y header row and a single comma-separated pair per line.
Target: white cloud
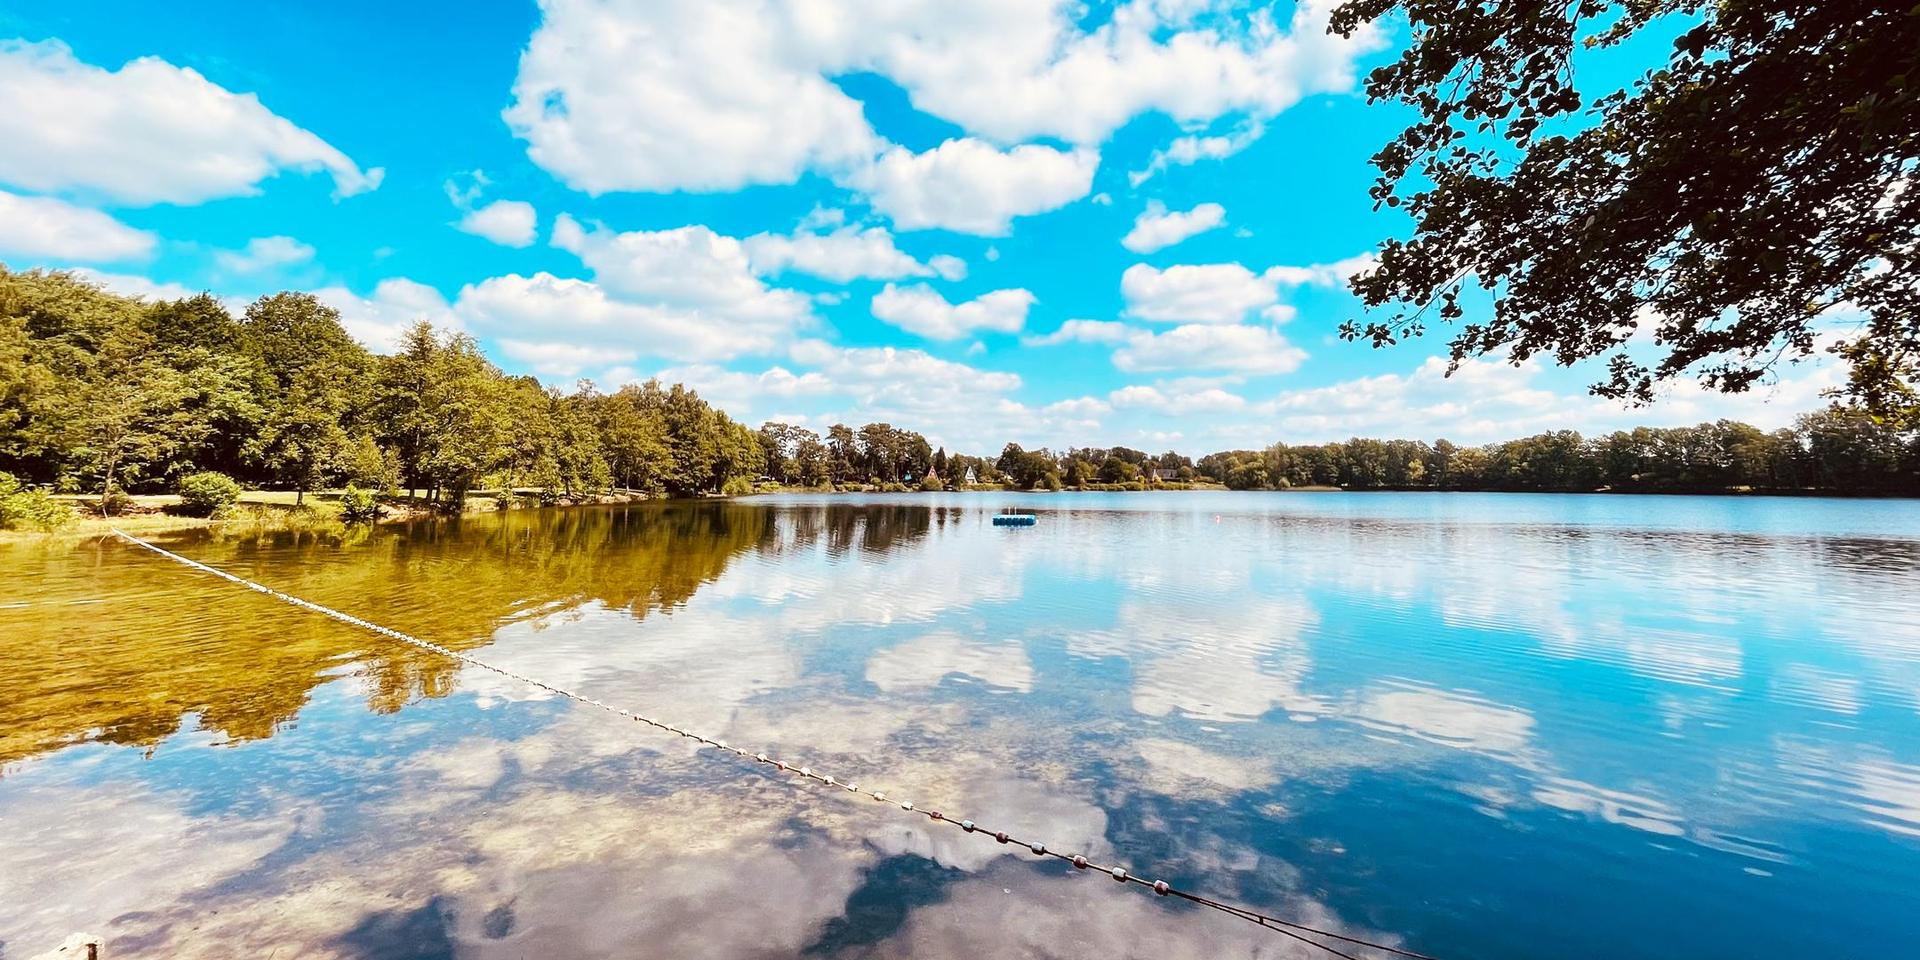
x,y
1489,400
921,309
687,267
848,253
1082,407
1157,227
892,367
1198,293
739,392
969,186
1082,331
954,404
46,228
510,223
1014,71
264,253
545,309
665,95
149,132
686,294
959,405
1205,346
1137,396
948,266
145,288
1333,274
396,303
562,360
1177,402
1193,148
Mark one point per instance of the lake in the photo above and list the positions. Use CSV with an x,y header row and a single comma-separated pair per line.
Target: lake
x,y
1474,726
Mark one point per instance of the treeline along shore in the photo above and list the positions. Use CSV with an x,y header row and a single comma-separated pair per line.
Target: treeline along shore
x,y
107,396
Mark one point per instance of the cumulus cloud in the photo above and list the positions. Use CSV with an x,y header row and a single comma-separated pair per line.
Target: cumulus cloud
x,y
1082,331
955,404
145,288
921,309
545,309
845,254
1180,402
970,186
1157,227
510,223
395,304
1078,407
664,95
1229,348
1199,293
1193,148
46,228
1237,348
688,267
736,391
1333,274
264,253
893,367
563,359
948,266
623,94
1018,71
1488,400
149,132
864,384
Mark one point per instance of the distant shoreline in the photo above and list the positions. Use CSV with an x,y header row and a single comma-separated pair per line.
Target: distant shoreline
x,y
1218,488
272,511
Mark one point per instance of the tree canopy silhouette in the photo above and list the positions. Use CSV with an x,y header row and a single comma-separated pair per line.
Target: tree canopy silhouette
x,y
1750,201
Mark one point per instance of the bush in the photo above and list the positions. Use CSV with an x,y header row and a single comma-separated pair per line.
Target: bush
x,y
22,507
931,484
736,487
202,494
359,506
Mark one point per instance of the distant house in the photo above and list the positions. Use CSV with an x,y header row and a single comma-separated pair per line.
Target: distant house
x,y
970,477
1160,474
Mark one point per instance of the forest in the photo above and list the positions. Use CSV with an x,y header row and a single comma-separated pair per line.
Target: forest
x,y
101,393
1834,451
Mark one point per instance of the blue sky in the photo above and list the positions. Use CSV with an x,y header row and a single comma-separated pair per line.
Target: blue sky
x,y
1006,220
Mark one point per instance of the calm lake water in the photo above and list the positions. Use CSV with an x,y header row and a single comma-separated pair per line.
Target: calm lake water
x,y
1478,726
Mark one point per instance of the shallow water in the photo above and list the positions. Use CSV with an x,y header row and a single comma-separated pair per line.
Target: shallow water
x,y
1477,726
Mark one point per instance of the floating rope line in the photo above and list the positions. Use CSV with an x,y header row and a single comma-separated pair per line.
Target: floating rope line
x,y
1298,931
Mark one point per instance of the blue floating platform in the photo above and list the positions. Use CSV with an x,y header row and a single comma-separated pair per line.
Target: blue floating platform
x,y
1015,520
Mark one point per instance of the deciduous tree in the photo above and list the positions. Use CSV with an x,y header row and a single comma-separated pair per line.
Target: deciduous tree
x,y
1748,193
